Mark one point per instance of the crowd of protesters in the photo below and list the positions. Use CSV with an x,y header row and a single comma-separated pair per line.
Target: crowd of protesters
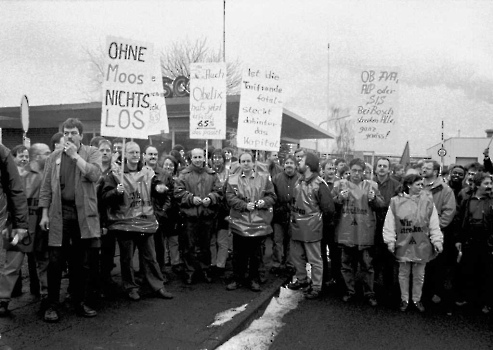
x,y
67,209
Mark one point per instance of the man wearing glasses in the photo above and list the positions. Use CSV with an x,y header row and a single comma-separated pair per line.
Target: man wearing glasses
x,y
358,200
439,269
70,213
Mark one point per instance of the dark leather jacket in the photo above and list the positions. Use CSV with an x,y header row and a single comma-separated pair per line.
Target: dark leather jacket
x,y
12,191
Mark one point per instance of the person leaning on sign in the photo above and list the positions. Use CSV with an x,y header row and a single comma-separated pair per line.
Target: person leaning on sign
x,y
131,217
412,233
70,213
312,206
357,200
251,196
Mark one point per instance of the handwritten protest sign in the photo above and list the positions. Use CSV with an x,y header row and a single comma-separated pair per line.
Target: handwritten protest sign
x,y
133,96
375,113
208,101
260,114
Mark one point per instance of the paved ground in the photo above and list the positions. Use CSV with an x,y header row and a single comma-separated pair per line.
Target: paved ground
x,y
328,323
152,323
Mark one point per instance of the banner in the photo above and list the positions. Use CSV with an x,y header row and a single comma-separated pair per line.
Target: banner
x,y
260,114
376,111
208,101
133,97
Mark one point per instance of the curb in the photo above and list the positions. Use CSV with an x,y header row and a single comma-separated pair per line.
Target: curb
x,y
241,321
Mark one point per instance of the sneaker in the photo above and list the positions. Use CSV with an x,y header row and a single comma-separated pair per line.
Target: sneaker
x,y
299,284
372,301
134,295
254,286
419,306
233,286
486,310
347,297
403,306
163,293
51,315
312,294
436,299
4,309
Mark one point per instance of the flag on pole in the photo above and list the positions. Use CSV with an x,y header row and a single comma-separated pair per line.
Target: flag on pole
x,y
406,156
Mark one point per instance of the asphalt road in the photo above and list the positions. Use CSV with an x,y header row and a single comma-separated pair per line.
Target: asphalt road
x,y
328,323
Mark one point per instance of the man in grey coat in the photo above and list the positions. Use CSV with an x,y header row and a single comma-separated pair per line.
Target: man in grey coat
x,y
70,213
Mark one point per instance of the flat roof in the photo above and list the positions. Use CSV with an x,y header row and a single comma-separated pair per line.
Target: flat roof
x,y
294,127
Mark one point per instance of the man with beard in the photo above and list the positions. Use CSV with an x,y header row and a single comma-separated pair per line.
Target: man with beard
x,y
339,163
488,166
439,270
358,200
198,192
312,201
273,164
250,196
131,217
284,184
474,240
384,262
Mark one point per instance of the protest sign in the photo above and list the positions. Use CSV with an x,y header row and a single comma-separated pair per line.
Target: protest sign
x,y
260,114
376,109
133,96
208,101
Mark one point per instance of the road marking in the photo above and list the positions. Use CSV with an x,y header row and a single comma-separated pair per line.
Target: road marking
x,y
262,331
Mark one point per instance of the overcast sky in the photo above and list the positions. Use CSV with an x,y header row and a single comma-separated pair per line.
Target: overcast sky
x,y
443,50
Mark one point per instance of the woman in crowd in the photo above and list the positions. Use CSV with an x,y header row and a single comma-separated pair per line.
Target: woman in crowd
x,y
412,232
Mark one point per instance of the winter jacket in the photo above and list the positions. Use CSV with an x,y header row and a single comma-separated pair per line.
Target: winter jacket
x,y
201,182
312,199
133,210
444,200
412,225
388,188
241,190
284,188
13,202
464,232
50,195
356,222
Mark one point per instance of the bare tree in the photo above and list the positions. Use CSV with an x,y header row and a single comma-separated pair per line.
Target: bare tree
x,y
178,56
344,132
175,61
